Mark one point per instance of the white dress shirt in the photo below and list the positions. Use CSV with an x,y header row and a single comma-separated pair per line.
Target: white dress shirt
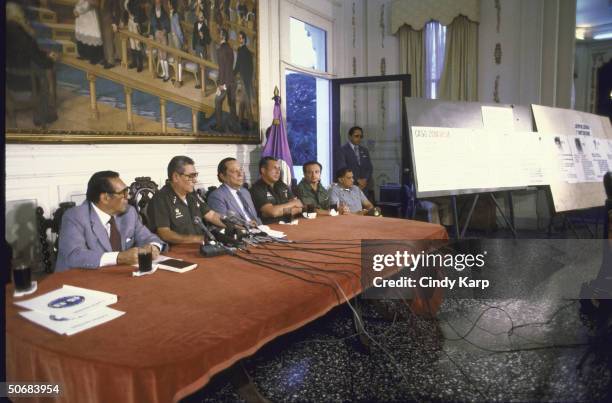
x,y
108,258
235,194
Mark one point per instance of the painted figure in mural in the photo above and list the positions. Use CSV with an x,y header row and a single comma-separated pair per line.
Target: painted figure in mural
x,y
159,29
87,31
226,84
177,39
110,14
244,67
133,19
28,69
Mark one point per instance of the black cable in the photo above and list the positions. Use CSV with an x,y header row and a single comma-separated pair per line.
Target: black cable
x,y
261,264
319,251
305,261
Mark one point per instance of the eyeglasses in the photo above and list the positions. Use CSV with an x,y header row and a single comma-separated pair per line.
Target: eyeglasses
x,y
191,176
125,193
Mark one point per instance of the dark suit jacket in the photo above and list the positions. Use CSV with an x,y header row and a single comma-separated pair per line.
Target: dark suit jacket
x,y
345,157
244,65
222,201
83,239
110,12
195,38
225,59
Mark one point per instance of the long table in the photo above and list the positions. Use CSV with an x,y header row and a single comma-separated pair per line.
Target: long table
x,y
181,329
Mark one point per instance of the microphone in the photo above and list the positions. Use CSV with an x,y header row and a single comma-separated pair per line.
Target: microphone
x,y
198,221
211,248
237,219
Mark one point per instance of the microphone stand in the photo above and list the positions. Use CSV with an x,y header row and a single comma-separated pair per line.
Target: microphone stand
x,y
211,247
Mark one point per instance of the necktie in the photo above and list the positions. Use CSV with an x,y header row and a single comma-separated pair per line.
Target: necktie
x,y
356,148
115,236
246,207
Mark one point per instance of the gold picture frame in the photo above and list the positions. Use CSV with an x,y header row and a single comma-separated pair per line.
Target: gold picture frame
x,y
94,104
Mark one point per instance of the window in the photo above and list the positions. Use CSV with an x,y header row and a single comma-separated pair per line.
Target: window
x,y
306,97
435,41
307,45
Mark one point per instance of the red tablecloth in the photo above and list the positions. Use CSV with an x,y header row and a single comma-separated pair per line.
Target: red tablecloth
x,y
181,329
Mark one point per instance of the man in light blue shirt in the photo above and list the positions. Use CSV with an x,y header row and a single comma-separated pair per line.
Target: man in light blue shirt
x,y
347,196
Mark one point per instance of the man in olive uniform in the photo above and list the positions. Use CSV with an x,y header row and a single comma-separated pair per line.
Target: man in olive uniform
x,y
270,195
172,210
310,190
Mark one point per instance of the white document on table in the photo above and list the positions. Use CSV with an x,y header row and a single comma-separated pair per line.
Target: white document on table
x,y
70,326
271,232
69,301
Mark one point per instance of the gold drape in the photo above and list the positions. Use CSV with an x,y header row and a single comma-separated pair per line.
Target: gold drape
x,y
412,58
459,81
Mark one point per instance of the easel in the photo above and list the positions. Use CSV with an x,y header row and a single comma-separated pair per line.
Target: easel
x,y
460,233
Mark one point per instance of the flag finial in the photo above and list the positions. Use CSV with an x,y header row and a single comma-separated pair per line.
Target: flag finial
x,y
276,91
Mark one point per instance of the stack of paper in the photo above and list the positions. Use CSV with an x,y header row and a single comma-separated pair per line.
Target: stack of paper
x,y
271,232
69,310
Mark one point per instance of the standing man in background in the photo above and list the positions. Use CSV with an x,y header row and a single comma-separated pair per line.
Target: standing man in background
x,y
356,158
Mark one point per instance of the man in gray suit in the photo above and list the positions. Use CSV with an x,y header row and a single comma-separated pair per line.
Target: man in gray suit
x,y
231,196
104,230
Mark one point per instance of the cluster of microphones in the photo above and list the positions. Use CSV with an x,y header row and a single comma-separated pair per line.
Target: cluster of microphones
x,y
237,234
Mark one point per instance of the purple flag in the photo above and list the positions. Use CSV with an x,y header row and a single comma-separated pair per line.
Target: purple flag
x,y
277,145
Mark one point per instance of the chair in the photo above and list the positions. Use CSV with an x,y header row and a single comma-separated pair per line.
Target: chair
x,y
204,194
55,223
390,198
141,193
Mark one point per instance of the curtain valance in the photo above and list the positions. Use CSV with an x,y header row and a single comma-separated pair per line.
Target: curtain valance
x,y
417,13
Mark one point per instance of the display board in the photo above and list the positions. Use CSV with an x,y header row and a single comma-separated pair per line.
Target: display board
x,y
462,147
469,147
580,147
458,161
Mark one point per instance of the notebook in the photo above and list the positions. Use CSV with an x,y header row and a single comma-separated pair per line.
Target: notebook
x,y
176,265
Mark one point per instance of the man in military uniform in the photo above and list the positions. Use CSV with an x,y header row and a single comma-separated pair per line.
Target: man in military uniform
x,y
172,210
310,190
270,195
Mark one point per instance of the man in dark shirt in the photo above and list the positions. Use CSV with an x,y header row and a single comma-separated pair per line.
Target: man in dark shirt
x,y
270,195
172,210
310,190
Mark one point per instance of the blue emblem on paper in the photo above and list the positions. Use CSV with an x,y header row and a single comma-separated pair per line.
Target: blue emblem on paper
x,y
65,302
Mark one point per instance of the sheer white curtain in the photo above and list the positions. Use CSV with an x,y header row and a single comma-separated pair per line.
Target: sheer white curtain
x,y
435,41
